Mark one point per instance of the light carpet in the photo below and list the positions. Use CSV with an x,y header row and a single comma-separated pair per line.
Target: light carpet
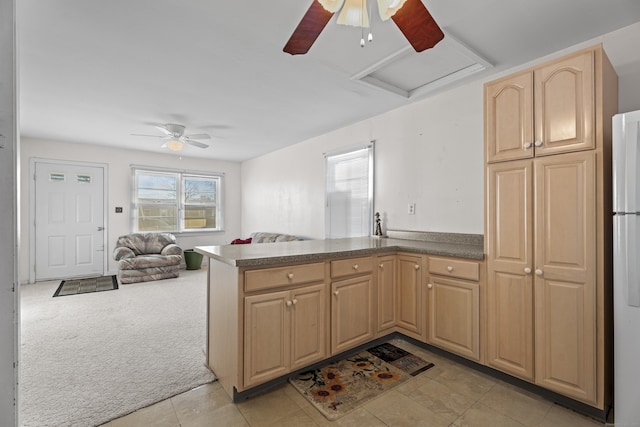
x,y
93,357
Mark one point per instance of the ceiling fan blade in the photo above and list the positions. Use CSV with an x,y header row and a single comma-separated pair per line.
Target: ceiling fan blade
x,y
417,25
199,136
308,29
195,143
163,129
150,136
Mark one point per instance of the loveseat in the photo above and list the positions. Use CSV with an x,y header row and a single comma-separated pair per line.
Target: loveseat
x,y
263,237
147,256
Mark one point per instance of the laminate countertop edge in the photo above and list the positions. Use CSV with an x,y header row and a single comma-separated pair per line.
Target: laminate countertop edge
x,y
268,254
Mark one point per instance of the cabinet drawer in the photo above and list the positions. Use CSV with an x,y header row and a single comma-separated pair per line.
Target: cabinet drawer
x,y
255,280
455,268
351,266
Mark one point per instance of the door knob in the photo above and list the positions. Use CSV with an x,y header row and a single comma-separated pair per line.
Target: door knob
x,y
538,272
527,270
100,228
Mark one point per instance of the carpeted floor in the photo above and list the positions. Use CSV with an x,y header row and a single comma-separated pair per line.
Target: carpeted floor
x,y
97,356
83,286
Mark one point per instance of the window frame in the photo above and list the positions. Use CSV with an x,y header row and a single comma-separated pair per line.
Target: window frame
x,y
369,149
180,204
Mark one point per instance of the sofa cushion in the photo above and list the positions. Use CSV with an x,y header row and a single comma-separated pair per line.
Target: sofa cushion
x,y
147,261
146,243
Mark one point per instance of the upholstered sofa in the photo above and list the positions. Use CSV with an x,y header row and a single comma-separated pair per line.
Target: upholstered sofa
x,y
147,256
262,237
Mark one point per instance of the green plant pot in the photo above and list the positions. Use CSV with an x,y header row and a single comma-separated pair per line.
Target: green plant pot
x,y
193,259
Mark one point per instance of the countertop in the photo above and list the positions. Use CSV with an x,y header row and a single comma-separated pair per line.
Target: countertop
x,y
265,254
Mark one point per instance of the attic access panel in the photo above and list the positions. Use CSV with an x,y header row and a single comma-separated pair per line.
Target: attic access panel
x,y
408,73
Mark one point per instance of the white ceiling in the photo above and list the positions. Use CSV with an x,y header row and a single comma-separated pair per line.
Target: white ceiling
x,y
96,71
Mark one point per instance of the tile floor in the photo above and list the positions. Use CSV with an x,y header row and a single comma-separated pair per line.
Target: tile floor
x,y
448,394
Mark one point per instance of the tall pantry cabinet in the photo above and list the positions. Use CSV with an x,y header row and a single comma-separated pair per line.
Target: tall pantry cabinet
x,y
547,224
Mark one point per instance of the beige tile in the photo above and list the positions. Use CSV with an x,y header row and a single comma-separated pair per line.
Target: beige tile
x,y
466,381
268,408
194,407
296,396
514,404
297,419
560,416
482,416
442,400
161,414
396,409
359,417
226,416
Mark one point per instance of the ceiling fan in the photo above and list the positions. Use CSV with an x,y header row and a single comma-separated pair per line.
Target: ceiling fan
x,y
411,17
176,139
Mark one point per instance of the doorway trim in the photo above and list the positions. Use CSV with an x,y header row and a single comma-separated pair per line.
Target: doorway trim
x,y
32,208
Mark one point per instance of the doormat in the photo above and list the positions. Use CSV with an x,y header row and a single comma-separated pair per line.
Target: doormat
x,y
339,387
83,286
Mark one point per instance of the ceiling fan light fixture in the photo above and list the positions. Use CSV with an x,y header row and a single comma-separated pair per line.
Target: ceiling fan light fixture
x,y
174,145
331,5
388,8
354,13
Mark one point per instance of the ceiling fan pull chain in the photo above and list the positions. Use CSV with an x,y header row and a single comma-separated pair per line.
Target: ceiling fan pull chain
x,y
362,11
370,37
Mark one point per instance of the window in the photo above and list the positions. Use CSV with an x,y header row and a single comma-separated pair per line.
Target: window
x,y
176,201
349,193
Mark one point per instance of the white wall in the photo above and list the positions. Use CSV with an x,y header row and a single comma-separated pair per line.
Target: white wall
x,y
429,153
8,212
119,187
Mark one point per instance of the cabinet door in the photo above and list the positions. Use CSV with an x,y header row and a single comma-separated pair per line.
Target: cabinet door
x,y
565,105
454,316
386,293
509,263
308,325
565,275
509,118
351,313
266,337
409,288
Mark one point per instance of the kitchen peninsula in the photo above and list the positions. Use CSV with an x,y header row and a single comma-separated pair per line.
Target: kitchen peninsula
x,y
275,308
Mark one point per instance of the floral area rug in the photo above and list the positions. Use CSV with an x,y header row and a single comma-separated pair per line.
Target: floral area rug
x,y
339,387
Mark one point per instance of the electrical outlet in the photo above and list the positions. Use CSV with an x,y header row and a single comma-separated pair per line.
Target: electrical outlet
x,y
411,209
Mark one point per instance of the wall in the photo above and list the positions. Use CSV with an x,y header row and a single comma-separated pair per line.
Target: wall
x,y
119,190
9,146
429,153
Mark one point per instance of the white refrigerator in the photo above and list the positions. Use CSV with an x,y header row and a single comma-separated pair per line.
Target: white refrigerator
x,y
626,271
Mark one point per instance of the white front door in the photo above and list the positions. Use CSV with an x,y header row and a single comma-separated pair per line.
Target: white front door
x,y
69,220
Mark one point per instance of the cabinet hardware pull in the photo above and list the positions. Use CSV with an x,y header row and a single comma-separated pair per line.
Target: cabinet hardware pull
x,y
289,303
430,286
417,267
381,265
295,301
528,145
290,275
538,272
449,269
336,293
538,143
355,266
527,270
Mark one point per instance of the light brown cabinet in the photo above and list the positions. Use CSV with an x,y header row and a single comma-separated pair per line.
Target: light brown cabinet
x,y
351,303
547,229
386,292
547,110
454,306
283,331
409,287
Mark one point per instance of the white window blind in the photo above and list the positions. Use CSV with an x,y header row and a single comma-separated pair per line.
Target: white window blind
x,y
349,193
